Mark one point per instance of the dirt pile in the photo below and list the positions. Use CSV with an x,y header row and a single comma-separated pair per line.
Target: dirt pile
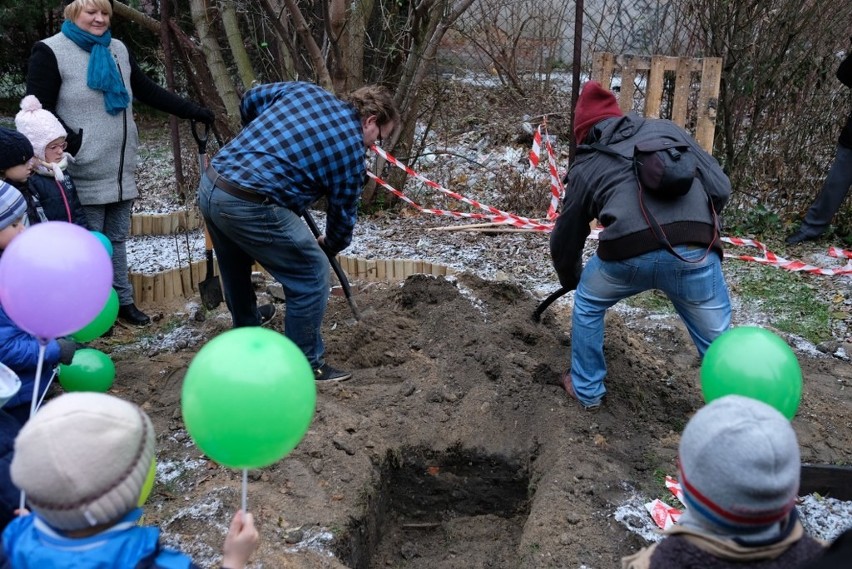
x,y
454,445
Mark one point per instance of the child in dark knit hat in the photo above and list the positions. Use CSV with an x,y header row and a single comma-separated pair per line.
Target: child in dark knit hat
x,y
16,167
739,469
82,462
49,182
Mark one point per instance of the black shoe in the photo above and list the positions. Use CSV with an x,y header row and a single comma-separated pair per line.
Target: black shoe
x,y
265,313
799,237
132,315
326,373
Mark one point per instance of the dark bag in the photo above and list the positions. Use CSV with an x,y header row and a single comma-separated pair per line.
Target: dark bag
x,y
665,167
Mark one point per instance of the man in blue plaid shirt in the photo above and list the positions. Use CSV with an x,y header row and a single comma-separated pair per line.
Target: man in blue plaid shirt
x,y
298,143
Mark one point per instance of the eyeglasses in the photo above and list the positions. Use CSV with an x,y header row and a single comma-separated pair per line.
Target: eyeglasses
x,y
55,147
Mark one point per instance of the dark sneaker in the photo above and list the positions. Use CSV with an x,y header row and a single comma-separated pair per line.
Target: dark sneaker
x,y
132,315
265,313
568,385
799,237
325,373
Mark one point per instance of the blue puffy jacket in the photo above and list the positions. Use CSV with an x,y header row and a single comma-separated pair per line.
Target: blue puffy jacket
x,y
29,543
19,352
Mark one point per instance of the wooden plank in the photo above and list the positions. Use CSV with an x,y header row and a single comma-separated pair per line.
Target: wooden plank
x,y
146,224
399,269
603,64
136,283
169,284
147,289
186,282
654,93
372,269
159,287
827,480
381,270
683,84
135,225
708,102
628,76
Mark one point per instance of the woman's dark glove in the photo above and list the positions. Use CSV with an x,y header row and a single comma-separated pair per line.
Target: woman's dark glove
x,y
75,141
204,115
66,350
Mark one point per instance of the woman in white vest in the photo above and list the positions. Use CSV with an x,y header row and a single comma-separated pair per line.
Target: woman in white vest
x,y
89,81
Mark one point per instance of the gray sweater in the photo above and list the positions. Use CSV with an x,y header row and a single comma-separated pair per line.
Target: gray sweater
x,y
103,169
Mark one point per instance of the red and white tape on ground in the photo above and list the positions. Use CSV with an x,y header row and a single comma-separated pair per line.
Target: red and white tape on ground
x,y
666,516
770,258
557,190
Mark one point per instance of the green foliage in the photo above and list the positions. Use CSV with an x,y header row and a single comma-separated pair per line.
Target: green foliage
x,y
791,300
756,220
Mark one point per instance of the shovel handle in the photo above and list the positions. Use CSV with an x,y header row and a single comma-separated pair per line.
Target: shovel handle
x,y
208,242
200,138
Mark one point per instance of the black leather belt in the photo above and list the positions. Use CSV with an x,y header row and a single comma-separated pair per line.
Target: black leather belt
x,y
233,189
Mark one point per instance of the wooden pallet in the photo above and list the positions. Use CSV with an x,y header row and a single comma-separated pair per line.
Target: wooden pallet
x,y
683,70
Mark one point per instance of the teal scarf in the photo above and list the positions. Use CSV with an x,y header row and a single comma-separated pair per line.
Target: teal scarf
x,y
103,72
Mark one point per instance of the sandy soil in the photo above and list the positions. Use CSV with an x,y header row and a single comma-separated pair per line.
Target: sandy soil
x,y
454,445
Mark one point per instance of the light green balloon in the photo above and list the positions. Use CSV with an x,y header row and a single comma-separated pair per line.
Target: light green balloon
x,y
756,363
248,397
90,370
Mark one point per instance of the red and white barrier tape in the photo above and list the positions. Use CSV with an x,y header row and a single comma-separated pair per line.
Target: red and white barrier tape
x,y
494,214
498,216
666,516
557,190
770,258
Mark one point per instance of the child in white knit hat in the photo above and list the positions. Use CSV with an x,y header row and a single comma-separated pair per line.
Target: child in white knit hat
x,y
50,183
739,470
82,461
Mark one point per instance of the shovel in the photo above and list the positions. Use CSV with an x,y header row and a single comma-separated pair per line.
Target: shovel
x,y
335,266
210,288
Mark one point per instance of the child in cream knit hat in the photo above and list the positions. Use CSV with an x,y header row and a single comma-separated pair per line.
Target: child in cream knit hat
x,y
50,183
739,469
82,461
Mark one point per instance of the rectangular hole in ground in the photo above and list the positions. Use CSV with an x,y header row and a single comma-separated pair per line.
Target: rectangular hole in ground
x,y
450,509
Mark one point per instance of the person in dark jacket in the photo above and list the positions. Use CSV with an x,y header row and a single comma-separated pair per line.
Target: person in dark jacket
x,y
839,178
837,556
89,80
630,257
82,462
49,181
739,469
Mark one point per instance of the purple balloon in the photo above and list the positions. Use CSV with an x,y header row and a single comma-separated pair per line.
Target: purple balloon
x,y
55,277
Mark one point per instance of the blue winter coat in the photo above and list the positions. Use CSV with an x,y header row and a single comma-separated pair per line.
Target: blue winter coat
x,y
19,352
29,543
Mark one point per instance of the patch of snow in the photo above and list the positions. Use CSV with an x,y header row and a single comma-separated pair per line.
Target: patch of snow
x,y
317,540
169,470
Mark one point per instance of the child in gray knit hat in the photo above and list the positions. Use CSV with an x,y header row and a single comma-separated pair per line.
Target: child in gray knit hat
x,y
82,461
739,470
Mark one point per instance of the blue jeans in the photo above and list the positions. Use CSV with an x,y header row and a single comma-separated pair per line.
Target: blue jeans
x,y
244,232
113,220
697,290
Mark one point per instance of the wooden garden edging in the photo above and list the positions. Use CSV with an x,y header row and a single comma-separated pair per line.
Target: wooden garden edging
x,y
164,223
681,70
183,282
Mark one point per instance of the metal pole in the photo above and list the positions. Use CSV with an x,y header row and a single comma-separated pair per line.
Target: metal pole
x,y
575,79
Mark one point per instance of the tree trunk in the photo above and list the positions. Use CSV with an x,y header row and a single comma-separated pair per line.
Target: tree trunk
x,y
235,42
213,56
323,77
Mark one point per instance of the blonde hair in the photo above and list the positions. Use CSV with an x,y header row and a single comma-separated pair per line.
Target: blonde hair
x,y
373,100
73,9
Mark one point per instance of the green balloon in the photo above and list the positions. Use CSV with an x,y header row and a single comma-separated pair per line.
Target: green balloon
x,y
756,363
104,241
90,370
102,322
248,397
